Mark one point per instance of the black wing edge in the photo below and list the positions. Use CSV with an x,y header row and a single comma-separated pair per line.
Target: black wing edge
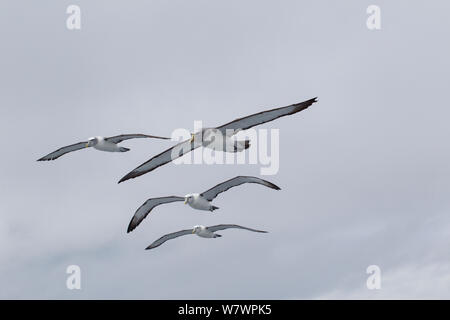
x,y
44,158
137,134
236,226
132,174
151,246
131,227
270,184
155,137
299,107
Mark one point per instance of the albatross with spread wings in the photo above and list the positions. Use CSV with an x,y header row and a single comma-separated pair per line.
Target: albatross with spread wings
x,y
100,143
197,201
203,138
201,231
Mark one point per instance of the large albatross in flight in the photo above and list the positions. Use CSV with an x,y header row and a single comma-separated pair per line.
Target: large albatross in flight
x,y
201,231
203,138
197,201
100,143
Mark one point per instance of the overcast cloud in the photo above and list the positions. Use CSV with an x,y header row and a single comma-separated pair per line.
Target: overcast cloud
x,y
364,172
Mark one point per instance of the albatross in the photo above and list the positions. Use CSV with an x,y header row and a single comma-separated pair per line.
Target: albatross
x,y
108,144
204,137
201,231
199,201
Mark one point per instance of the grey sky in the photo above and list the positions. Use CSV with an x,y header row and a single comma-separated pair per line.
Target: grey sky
x,y
364,172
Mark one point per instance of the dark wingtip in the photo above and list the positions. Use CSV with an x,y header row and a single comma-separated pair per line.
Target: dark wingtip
x,y
311,101
123,179
131,225
273,186
128,176
156,137
303,105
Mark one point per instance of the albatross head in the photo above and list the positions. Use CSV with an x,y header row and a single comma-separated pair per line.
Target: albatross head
x,y
92,141
206,134
197,229
188,198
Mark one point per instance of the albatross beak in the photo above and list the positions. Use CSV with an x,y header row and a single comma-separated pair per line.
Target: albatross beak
x,y
185,200
87,145
192,137
193,231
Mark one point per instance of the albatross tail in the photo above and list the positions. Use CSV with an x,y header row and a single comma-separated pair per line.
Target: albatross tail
x,y
241,145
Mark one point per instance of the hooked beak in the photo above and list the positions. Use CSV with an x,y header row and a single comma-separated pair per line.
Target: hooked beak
x,y
192,137
87,145
193,231
185,200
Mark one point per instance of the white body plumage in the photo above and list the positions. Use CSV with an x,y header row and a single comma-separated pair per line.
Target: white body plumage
x,y
214,139
196,201
103,145
201,231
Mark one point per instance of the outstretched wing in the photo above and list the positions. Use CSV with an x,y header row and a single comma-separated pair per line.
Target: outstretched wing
x,y
122,137
169,236
236,125
161,159
231,226
264,116
145,209
62,151
224,186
